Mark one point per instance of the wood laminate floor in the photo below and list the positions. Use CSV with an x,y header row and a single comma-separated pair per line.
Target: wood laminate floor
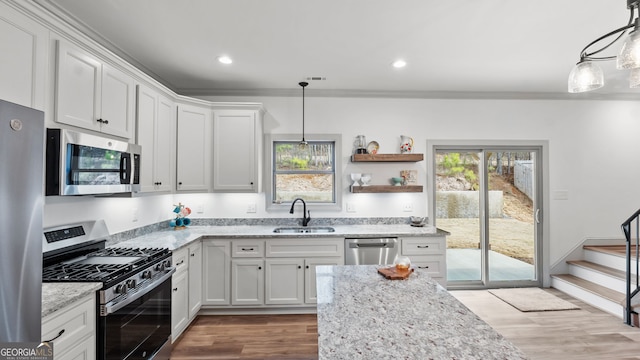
x,y
582,334
249,337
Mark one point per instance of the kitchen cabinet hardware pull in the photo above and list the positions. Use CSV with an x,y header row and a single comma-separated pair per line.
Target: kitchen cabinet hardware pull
x,y
105,122
299,267
259,267
175,289
57,336
307,266
423,246
251,183
423,267
247,249
193,254
180,183
180,263
100,120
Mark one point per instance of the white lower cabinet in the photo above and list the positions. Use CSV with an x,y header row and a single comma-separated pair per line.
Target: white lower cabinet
x,y
186,287
265,273
428,253
195,279
216,272
179,304
310,293
247,282
284,281
74,330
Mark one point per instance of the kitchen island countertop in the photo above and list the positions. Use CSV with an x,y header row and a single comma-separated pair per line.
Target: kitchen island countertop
x,y
362,315
175,239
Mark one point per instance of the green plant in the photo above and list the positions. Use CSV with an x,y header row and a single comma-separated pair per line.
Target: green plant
x,y
455,165
297,163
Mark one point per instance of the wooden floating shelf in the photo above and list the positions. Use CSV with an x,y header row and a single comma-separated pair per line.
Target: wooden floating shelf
x,y
386,189
387,157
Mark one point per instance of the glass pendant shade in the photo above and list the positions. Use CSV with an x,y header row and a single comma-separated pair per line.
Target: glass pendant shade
x,y
634,78
585,76
629,57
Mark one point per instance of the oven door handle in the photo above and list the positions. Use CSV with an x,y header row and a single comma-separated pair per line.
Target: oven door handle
x,y
111,308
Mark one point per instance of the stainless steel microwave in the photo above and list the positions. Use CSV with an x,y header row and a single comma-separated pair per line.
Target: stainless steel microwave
x,y
85,164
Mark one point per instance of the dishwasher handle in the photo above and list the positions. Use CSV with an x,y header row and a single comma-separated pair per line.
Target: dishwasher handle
x,y
371,245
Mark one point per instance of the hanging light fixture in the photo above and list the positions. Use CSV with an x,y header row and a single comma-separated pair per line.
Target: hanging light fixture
x,y
304,142
587,76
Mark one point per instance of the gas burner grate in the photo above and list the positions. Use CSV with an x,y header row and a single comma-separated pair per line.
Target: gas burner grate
x,y
83,272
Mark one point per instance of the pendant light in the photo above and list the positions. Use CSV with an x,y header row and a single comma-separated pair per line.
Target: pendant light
x,y
587,76
303,144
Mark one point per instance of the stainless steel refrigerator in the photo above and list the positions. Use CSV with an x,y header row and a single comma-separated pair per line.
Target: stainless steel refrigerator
x,y
21,208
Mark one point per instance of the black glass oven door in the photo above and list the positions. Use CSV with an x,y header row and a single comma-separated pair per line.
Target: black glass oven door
x,y
139,329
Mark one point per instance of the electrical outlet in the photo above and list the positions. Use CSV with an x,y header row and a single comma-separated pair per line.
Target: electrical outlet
x,y
251,208
407,207
134,214
351,207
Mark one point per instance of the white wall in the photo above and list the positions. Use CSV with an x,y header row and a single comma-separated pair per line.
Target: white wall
x,y
593,154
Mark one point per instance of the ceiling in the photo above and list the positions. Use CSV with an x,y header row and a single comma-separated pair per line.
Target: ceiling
x,y
467,48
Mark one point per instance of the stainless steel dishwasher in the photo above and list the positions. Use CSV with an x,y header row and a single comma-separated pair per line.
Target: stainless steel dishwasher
x,y
370,251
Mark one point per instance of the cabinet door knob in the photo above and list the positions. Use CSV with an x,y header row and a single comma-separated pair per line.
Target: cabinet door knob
x,y
175,289
307,266
180,183
193,254
299,267
259,267
105,122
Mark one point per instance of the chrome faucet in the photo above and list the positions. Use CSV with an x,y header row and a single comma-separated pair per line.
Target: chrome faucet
x,y
306,215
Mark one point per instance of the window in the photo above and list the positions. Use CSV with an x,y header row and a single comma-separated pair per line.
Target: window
x,y
307,172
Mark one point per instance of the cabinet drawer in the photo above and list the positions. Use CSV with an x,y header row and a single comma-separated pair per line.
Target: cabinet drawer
x,y
423,246
77,320
247,248
312,247
434,265
179,259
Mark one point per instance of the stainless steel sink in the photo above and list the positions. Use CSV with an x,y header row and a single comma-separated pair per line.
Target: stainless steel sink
x,y
304,230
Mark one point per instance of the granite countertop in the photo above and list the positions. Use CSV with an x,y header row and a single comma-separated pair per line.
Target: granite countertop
x,y
174,239
55,296
362,315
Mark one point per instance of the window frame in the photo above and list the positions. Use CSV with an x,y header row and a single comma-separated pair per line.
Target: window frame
x,y
269,144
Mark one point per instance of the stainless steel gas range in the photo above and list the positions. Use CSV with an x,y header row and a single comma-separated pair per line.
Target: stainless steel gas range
x,y
134,303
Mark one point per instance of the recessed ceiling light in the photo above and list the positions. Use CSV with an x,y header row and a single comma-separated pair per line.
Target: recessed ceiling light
x,y
399,64
224,60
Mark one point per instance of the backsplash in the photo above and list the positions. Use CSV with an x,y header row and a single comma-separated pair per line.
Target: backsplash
x,y
164,226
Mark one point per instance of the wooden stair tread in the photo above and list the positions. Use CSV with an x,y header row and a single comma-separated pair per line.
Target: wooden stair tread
x,y
617,250
599,268
594,288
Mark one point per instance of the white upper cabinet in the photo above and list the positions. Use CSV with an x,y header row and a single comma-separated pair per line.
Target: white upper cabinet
x,y
156,121
93,95
23,55
193,158
237,141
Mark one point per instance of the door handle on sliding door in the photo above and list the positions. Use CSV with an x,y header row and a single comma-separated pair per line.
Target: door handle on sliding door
x,y
537,216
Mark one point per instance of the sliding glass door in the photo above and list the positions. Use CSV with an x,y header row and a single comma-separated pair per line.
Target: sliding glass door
x,y
488,199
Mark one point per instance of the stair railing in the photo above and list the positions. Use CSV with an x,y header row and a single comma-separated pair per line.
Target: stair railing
x,y
631,229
